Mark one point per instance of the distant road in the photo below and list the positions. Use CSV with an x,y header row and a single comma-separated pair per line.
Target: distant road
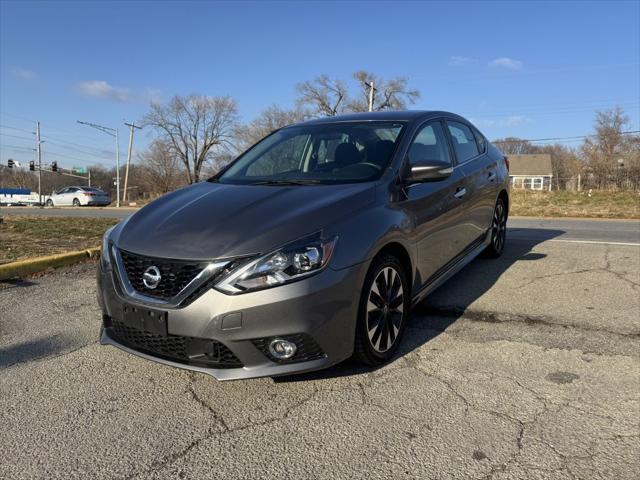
x,y
522,228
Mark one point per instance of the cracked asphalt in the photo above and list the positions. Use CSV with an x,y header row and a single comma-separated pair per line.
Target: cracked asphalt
x,y
526,367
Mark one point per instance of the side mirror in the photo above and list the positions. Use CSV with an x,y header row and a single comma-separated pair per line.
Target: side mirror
x,y
428,171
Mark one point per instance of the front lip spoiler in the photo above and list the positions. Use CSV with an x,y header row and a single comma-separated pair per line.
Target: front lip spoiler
x,y
269,369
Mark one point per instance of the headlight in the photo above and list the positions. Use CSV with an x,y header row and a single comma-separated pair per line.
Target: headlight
x,y
293,262
105,258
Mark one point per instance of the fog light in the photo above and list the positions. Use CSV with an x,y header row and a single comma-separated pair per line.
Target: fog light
x,y
282,349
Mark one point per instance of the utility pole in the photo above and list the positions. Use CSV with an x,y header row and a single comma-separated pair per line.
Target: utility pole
x,y
114,133
117,170
132,126
371,90
39,163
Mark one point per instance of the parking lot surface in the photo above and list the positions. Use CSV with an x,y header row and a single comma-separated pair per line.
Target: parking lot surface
x,y
522,367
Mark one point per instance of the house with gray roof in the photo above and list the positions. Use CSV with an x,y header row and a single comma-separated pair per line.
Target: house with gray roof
x,y
531,172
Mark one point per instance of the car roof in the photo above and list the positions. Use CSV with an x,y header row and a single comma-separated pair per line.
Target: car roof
x,y
387,115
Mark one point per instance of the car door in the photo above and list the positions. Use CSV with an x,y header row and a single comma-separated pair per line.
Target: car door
x,y
438,207
481,173
61,197
72,192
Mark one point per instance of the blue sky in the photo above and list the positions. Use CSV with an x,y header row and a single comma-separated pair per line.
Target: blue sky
x,y
527,69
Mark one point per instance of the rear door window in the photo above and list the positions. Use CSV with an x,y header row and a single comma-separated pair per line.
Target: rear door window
x,y
464,143
481,141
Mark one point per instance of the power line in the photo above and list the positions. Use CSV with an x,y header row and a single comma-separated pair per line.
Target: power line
x,y
15,136
577,137
16,128
52,153
92,154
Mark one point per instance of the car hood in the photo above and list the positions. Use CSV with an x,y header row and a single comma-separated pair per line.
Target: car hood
x,y
210,220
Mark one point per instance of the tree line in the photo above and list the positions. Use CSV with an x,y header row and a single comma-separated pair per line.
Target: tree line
x,y
608,159
196,135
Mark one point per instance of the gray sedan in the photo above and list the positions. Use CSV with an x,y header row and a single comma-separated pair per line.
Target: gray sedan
x,y
309,248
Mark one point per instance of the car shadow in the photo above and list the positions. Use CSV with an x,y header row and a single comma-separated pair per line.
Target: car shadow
x,y
34,350
427,320
16,283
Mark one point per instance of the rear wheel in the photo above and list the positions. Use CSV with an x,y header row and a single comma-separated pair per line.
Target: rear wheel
x,y
76,202
49,203
498,230
383,310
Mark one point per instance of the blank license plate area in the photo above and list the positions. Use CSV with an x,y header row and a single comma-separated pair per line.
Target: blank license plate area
x,y
144,319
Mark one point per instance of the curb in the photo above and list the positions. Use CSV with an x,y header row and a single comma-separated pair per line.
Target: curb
x,y
39,264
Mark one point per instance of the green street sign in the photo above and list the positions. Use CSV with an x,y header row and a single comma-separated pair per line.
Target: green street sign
x,y
80,170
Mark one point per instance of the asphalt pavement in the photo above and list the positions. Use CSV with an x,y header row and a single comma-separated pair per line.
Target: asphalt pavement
x,y
525,367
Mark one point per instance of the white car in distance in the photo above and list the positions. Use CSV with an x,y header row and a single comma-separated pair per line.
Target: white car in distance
x,y
78,196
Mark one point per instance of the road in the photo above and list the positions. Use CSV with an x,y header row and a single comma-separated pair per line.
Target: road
x,y
531,229
523,367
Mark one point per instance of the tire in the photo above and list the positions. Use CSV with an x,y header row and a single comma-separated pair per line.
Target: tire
x,y
76,202
498,230
379,334
49,203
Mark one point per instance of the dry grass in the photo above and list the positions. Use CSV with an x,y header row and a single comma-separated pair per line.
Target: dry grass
x,y
31,236
600,204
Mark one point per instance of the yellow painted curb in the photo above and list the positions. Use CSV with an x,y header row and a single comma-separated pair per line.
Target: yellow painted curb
x,y
33,265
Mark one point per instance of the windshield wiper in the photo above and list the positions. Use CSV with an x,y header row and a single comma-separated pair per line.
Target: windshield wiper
x,y
287,182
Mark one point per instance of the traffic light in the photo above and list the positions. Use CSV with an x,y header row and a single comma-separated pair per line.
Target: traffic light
x,y
10,163
54,166
32,165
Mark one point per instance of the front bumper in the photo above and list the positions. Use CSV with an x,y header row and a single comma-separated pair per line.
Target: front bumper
x,y
322,308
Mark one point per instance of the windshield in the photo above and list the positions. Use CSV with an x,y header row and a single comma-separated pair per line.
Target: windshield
x,y
317,154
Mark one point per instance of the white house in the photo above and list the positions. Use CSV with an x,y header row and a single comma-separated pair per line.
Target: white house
x,y
532,172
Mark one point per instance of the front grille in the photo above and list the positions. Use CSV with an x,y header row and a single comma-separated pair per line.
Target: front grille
x,y
176,274
189,350
307,348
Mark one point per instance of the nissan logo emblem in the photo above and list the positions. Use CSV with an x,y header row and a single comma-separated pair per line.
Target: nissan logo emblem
x,y
151,277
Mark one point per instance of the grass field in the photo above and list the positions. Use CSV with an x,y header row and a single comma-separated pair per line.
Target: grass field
x,y
575,204
29,236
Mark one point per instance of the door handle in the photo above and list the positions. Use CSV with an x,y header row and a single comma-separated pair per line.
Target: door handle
x,y
492,176
460,192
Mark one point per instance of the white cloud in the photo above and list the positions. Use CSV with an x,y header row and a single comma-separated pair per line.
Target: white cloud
x,y
511,121
456,61
506,62
101,89
23,73
515,120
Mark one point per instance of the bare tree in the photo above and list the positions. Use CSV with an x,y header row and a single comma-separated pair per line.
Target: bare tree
x,y
564,163
609,140
612,157
516,146
160,170
195,128
387,95
324,96
271,119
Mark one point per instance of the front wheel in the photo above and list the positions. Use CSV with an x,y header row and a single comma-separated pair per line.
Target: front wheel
x,y
76,202
382,314
49,203
498,230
